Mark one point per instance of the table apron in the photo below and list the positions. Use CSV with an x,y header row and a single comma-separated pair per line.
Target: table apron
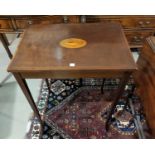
x,y
73,74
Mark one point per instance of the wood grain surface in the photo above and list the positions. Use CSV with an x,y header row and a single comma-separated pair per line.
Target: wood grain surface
x,y
106,49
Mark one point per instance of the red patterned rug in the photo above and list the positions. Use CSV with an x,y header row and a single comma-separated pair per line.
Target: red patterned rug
x,y
82,116
72,111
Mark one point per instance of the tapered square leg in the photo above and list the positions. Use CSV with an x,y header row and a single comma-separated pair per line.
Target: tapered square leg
x,y
48,85
102,86
120,92
81,82
5,44
23,85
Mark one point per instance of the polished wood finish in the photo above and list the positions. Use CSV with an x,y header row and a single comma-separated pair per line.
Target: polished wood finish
x,y
39,50
145,78
72,74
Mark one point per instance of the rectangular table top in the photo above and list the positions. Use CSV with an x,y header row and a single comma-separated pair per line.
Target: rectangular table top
x,y
106,49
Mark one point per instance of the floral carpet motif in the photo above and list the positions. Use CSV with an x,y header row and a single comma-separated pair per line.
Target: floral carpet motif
x,y
80,112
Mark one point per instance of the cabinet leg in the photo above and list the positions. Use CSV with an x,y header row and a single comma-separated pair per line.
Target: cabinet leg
x,y
6,39
5,44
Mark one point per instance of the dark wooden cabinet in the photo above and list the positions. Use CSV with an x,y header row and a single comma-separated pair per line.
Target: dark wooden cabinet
x,y
136,38
136,28
128,22
23,23
6,25
19,23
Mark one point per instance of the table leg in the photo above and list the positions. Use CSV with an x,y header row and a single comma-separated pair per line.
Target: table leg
x,y
6,39
102,86
117,97
5,44
48,85
81,82
23,85
129,96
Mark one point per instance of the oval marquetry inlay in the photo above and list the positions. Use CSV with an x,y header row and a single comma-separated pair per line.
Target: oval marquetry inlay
x,y
73,43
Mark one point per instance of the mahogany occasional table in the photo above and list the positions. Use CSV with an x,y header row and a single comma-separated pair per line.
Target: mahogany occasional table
x,y
98,50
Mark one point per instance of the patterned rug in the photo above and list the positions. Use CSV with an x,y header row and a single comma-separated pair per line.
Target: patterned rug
x,y
80,112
